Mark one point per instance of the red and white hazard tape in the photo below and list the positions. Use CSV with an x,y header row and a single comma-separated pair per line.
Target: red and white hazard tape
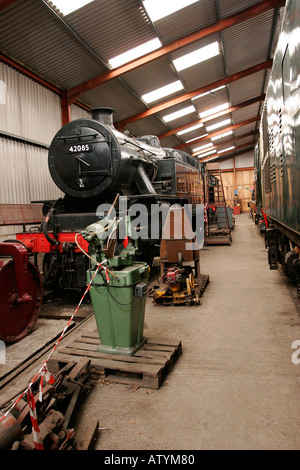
x,y
37,437
45,374
206,217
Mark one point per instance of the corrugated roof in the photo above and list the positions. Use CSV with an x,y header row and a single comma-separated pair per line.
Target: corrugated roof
x,y
229,7
112,27
187,20
248,43
114,95
33,36
67,51
247,87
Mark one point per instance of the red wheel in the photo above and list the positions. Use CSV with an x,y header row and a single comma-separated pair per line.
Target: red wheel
x,y
18,318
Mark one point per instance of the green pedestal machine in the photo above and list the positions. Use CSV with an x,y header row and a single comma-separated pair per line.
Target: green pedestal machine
x,y
118,290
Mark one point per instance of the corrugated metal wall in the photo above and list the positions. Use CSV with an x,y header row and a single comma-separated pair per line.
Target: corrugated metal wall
x,y
77,112
31,111
24,174
241,161
28,109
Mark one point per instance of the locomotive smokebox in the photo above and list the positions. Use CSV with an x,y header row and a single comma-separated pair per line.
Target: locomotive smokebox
x,y
103,115
84,156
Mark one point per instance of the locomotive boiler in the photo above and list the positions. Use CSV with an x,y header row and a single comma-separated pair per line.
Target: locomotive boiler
x,y
92,163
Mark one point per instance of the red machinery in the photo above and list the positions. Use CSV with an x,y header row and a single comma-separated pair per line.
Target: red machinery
x,y
20,282
20,293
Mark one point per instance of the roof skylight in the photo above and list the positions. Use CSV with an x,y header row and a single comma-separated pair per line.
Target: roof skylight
x,y
214,110
222,135
189,129
208,92
218,124
195,57
158,9
162,91
178,114
195,138
207,153
68,6
134,53
209,159
202,147
226,150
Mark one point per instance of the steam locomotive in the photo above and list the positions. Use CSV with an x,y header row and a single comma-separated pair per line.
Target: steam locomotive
x,y
92,162
277,155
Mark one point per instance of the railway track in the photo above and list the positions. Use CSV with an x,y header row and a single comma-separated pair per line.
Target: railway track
x,y
21,377
19,359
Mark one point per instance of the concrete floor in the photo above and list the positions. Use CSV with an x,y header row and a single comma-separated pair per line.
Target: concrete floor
x,y
235,385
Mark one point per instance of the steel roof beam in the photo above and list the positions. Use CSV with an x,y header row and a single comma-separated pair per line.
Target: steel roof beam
x,y
187,96
220,25
6,3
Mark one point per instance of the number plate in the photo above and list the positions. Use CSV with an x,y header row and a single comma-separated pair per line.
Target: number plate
x,y
80,148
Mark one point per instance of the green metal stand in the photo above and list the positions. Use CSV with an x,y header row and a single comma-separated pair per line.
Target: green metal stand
x,y
119,308
118,291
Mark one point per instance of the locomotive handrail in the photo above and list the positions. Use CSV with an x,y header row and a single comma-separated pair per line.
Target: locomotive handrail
x,y
138,146
66,137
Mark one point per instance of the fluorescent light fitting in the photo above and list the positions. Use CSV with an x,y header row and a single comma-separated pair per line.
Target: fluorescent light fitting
x,y
189,129
214,110
202,147
158,9
178,114
195,57
163,91
222,135
134,53
226,150
67,6
218,124
208,92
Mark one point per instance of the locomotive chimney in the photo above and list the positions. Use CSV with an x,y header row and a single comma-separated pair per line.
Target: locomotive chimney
x,y
103,115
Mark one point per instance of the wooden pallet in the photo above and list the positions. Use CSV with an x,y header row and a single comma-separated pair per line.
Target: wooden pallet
x,y
148,367
218,240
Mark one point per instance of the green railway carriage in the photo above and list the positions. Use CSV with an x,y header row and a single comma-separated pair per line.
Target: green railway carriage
x,y
278,165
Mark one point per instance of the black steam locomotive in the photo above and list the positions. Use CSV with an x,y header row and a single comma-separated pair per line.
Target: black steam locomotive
x,y
92,163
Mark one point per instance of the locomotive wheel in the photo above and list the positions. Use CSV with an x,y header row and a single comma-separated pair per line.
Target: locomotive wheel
x,y
17,319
